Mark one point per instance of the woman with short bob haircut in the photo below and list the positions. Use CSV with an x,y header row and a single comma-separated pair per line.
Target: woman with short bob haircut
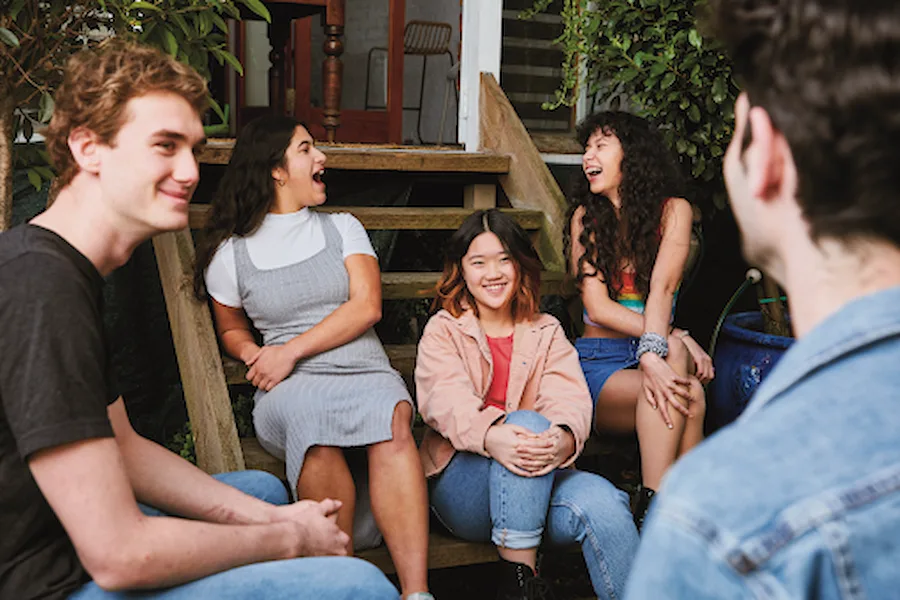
x,y
627,239
508,410
309,282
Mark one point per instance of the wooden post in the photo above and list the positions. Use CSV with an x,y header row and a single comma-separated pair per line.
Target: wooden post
x,y
205,393
7,105
482,22
332,67
480,195
529,183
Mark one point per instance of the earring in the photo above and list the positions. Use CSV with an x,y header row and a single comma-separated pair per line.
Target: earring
x,y
280,182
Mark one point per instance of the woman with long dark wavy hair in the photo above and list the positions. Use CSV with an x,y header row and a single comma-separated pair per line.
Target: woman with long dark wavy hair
x,y
627,240
309,282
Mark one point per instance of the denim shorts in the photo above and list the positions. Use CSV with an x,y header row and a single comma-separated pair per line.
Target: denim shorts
x,y
601,357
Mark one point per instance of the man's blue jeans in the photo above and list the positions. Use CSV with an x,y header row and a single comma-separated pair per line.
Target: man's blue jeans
x,y
478,499
328,578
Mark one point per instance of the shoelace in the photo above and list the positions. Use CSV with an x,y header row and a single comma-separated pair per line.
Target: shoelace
x,y
538,588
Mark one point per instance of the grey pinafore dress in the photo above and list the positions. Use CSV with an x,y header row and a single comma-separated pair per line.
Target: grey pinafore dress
x,y
343,397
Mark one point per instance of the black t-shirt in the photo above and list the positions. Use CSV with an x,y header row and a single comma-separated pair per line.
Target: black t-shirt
x,y
53,390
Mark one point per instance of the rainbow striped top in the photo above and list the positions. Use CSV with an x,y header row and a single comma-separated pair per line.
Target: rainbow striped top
x,y
629,297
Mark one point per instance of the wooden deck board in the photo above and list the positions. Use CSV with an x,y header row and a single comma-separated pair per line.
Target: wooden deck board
x,y
360,157
376,218
398,286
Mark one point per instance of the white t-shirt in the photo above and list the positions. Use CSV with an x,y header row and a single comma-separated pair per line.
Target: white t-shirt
x,y
281,240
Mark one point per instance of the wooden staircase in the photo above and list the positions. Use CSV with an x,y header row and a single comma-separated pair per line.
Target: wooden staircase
x,y
508,161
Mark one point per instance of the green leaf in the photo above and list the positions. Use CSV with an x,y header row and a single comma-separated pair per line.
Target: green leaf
x,y
220,23
259,8
45,110
627,75
233,61
657,69
35,179
719,90
179,20
8,37
694,39
170,42
45,172
141,5
216,108
668,80
694,113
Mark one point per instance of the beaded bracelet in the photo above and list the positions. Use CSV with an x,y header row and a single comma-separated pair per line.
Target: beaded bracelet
x,y
652,342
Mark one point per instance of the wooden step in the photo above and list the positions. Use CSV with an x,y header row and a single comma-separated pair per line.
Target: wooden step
x,y
398,286
443,550
375,218
365,157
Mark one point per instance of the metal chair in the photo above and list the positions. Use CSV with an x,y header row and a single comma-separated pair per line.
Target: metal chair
x,y
420,38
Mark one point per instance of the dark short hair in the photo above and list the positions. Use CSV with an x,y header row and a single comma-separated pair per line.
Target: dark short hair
x,y
828,74
453,294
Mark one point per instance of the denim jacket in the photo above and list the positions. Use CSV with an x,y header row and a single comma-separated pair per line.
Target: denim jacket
x,y
800,498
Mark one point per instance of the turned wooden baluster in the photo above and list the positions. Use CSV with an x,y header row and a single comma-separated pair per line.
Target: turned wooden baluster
x,y
279,34
332,68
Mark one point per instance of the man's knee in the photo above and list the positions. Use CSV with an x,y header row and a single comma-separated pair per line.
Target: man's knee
x,y
528,419
258,484
363,580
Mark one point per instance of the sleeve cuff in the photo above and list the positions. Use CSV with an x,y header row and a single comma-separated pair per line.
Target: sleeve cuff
x,y
480,425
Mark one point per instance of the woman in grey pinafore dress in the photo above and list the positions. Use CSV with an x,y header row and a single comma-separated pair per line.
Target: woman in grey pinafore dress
x,y
323,384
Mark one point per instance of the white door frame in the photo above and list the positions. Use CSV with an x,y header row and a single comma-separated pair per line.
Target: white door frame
x,y
482,27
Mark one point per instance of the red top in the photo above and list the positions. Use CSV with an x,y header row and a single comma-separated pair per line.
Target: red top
x,y
501,352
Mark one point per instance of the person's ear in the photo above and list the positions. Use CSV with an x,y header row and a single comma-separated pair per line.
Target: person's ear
x,y
279,175
84,145
766,156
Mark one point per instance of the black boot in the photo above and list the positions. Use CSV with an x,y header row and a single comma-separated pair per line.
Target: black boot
x,y
519,582
641,504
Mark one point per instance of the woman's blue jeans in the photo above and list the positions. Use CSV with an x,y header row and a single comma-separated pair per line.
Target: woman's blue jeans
x,y
478,499
328,578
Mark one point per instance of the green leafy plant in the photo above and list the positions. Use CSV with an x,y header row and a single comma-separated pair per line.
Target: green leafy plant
x,y
37,37
650,56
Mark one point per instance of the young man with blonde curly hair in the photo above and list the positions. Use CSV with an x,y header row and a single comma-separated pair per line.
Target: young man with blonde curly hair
x,y
800,498
72,469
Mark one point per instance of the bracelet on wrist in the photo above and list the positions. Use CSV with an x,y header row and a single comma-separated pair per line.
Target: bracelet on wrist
x,y
653,343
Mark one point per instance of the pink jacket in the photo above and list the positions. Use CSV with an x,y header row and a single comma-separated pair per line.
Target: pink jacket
x,y
454,370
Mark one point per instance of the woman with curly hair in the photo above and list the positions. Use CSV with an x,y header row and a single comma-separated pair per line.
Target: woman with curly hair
x,y
627,240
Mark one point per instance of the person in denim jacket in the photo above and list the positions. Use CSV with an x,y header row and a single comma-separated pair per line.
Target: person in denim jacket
x,y
800,498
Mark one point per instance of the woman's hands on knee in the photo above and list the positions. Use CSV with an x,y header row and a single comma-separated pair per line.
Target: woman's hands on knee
x,y
702,362
563,447
664,387
269,366
520,450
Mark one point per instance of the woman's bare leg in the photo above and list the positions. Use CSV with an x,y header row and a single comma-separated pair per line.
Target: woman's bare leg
x,y
525,556
325,474
659,444
693,430
400,501
616,403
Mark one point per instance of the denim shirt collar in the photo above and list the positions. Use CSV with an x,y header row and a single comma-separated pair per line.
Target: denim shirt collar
x,y
861,322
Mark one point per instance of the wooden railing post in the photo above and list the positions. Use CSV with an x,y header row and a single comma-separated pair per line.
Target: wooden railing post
x,y
332,68
205,393
529,183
